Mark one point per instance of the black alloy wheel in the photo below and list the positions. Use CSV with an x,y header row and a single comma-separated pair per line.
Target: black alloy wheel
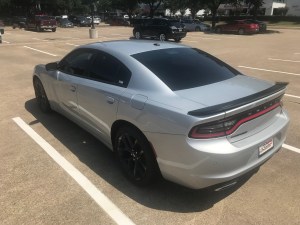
x,y
136,157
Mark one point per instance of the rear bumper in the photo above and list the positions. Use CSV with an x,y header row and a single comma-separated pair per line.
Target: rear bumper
x,y
176,35
252,31
47,26
199,164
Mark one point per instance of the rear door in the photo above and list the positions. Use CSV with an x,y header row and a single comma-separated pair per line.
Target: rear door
x,y
99,95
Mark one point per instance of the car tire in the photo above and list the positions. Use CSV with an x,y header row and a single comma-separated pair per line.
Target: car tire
x,y
53,29
136,157
41,96
197,29
137,35
241,31
162,37
177,39
218,30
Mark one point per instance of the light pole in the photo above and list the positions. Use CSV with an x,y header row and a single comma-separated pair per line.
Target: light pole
x,y
93,32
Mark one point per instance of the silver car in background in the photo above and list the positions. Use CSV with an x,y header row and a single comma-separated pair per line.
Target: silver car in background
x,y
195,25
167,109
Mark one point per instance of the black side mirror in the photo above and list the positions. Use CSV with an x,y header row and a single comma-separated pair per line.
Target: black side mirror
x,y
52,66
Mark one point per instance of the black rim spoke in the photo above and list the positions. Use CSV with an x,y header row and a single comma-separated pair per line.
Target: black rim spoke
x,y
132,156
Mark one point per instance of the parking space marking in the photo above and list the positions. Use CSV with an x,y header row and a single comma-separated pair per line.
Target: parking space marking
x,y
102,200
34,49
37,39
7,42
72,44
214,39
273,71
292,96
190,41
291,148
284,60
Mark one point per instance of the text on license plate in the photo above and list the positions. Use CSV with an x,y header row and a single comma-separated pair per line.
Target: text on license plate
x,y
265,147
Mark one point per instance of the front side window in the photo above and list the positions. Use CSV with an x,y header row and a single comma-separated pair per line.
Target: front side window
x,y
184,68
76,63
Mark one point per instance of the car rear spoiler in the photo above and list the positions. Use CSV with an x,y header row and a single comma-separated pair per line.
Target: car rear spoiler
x,y
212,110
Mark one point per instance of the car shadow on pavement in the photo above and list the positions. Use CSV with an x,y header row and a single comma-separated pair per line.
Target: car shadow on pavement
x,y
162,195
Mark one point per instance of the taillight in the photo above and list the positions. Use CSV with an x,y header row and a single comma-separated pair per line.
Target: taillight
x,y
227,126
254,26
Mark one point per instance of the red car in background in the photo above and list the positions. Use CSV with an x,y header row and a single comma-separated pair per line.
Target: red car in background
x,y
239,27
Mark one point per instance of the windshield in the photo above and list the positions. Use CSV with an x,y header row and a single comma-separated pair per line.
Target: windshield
x,y
184,68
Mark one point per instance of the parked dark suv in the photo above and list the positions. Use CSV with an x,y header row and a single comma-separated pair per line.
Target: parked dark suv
x,y
80,21
160,28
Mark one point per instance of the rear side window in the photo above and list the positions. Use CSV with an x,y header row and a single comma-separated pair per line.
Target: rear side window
x,y
184,68
107,69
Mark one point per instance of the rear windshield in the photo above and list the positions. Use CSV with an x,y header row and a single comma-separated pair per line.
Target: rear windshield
x,y
184,68
175,23
44,17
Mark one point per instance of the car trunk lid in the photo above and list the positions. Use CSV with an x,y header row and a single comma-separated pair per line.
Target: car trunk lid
x,y
248,106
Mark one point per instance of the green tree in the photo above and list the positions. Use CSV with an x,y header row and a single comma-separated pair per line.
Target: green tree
x,y
254,6
213,6
153,5
195,6
128,6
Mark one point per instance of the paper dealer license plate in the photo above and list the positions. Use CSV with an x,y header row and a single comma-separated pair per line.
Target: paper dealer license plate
x,y
266,147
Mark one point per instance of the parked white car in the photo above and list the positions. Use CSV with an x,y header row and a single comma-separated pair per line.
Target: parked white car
x,y
97,20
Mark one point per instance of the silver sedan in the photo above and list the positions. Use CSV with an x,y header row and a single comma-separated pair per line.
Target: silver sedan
x,y
167,110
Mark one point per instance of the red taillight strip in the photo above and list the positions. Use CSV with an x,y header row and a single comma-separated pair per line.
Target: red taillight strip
x,y
246,119
194,134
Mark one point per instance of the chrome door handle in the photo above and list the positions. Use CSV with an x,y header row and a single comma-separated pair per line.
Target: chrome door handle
x,y
110,100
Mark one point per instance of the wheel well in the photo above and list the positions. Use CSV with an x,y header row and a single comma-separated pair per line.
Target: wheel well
x,y
117,125
35,77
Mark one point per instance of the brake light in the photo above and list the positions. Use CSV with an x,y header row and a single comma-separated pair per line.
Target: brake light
x,y
227,126
253,26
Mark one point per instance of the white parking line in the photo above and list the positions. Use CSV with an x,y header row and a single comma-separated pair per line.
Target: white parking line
x,y
291,148
72,44
292,96
37,39
190,41
273,71
39,51
284,60
7,42
110,208
214,39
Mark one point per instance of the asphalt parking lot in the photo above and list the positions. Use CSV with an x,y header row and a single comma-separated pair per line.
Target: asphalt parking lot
x,y
36,189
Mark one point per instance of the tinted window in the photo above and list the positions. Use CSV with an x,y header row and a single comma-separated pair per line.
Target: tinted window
x,y
175,23
183,68
106,68
76,63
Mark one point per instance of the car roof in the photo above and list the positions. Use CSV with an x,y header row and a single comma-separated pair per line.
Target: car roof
x,y
131,47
